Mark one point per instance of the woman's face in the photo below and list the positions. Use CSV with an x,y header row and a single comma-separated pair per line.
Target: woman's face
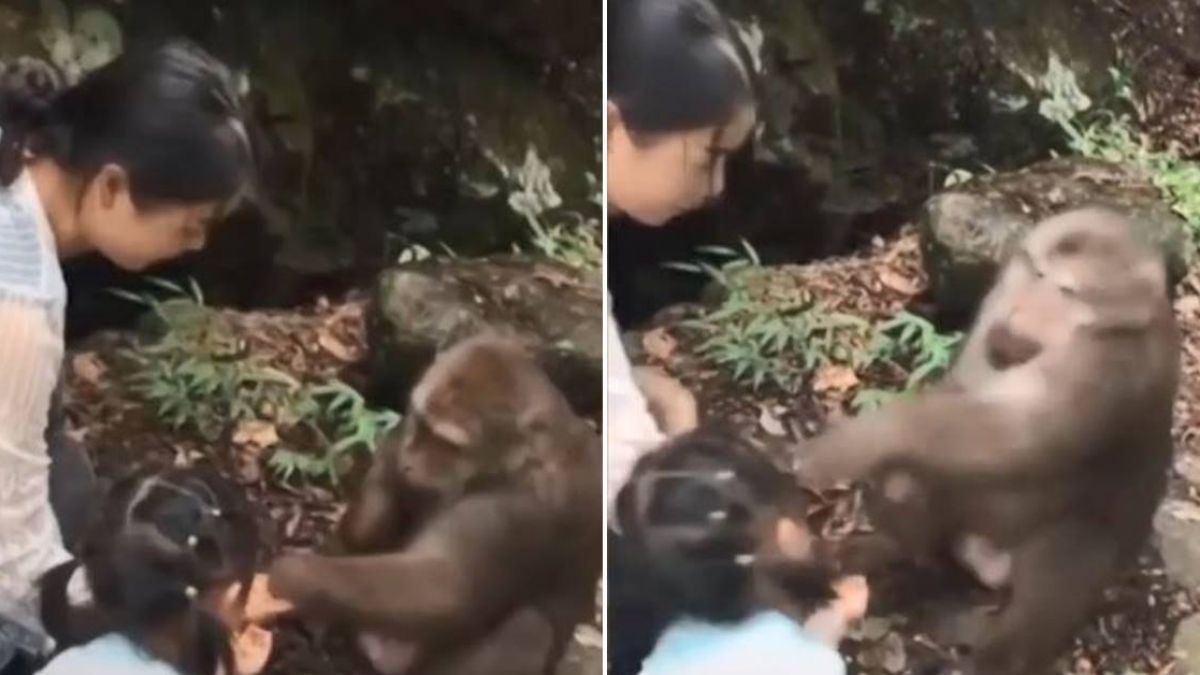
x,y
654,179
135,238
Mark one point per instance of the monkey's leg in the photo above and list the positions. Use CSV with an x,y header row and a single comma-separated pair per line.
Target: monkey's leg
x,y
468,567
1058,576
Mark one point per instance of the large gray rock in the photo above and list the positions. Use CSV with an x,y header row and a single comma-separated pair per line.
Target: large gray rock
x,y
553,309
1177,530
967,232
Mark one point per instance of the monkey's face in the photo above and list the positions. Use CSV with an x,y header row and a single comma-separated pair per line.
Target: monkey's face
x,y
431,459
1082,269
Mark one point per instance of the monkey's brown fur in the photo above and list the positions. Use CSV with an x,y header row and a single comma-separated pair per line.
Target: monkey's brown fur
x,y
1049,440
477,534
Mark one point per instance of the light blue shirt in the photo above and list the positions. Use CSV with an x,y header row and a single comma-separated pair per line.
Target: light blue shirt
x,y
768,643
112,654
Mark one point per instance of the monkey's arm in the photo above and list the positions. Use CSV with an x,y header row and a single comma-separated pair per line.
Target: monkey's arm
x,y
940,431
472,563
385,511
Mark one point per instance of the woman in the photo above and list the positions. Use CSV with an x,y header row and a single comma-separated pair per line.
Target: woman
x,y
135,162
681,100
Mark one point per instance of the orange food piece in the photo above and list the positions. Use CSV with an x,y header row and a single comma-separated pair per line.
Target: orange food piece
x,y
252,649
261,605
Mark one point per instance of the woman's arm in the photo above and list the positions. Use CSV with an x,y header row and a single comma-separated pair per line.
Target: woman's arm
x,y
31,353
630,427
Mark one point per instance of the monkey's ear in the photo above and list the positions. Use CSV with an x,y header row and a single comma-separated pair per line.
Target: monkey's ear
x,y
793,539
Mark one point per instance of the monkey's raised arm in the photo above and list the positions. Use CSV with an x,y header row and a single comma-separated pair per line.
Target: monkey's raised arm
x,y
460,573
941,431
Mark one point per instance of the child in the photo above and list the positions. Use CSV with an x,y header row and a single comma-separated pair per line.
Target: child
x,y
135,163
718,550
162,560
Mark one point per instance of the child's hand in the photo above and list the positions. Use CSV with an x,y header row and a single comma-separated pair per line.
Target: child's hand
x,y
853,595
252,649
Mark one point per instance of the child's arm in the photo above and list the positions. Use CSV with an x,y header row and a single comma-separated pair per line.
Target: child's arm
x,y
829,624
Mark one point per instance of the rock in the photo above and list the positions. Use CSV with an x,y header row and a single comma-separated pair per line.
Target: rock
x,y
966,232
1186,647
1177,530
425,306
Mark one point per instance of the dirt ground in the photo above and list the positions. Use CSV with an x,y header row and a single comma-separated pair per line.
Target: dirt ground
x,y
312,342
1134,630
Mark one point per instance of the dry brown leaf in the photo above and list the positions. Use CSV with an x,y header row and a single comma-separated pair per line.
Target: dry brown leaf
x,y
659,344
340,350
898,282
835,378
256,433
771,424
88,367
554,278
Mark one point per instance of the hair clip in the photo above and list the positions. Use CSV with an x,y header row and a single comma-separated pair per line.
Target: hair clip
x,y
216,513
744,559
192,540
717,516
191,592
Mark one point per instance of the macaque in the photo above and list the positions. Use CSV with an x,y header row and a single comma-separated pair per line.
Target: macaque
x,y
1040,459
475,542
713,532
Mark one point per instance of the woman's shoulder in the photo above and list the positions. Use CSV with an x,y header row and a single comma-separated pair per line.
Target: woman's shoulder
x,y
112,654
23,256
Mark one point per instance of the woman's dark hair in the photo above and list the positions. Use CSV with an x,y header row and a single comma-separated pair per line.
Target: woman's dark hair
x,y
163,540
169,115
675,65
689,514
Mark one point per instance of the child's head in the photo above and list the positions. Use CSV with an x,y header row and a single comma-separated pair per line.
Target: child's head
x,y
160,558
152,144
681,99
719,530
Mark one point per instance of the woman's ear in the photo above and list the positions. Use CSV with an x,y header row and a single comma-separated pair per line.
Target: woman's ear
x,y
109,185
615,121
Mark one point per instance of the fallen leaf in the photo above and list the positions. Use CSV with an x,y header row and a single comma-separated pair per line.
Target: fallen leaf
x,y
888,654
256,433
338,349
554,278
659,344
898,282
771,424
835,378
88,367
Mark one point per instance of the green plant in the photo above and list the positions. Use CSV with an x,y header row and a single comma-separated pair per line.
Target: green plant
x,y
197,376
1109,133
340,418
912,344
758,341
557,233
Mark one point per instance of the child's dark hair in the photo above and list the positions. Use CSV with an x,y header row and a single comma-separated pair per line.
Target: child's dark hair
x,y
693,513
676,65
163,540
169,115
